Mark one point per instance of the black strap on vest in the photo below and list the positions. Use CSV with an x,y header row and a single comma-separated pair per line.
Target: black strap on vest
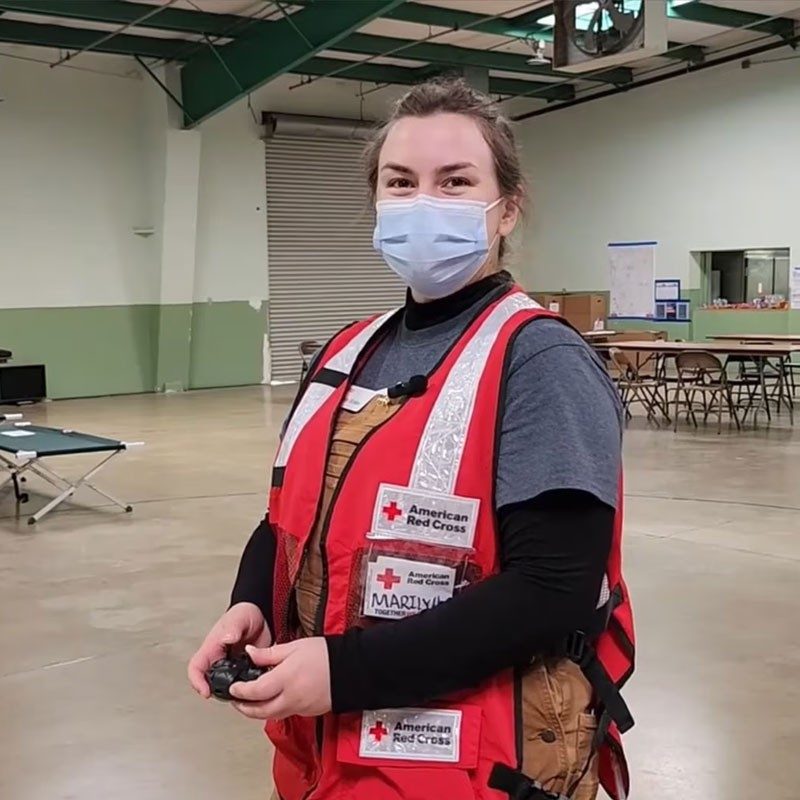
x,y
581,651
518,786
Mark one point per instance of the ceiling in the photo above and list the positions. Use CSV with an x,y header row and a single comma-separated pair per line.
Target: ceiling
x,y
227,48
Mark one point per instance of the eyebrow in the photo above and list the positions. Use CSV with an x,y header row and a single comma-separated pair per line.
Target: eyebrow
x,y
397,168
454,167
440,171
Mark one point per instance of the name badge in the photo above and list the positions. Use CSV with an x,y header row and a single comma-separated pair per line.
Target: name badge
x,y
357,398
416,734
398,587
421,516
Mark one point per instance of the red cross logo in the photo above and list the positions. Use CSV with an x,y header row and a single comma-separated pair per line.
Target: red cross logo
x,y
392,510
388,579
378,730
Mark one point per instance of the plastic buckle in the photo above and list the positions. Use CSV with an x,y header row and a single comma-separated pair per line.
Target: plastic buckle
x,y
577,648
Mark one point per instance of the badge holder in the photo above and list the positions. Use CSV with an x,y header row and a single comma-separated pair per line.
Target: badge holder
x,y
397,578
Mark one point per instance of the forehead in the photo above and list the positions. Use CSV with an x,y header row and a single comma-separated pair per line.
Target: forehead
x,y
429,142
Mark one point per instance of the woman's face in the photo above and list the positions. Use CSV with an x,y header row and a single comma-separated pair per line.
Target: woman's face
x,y
446,156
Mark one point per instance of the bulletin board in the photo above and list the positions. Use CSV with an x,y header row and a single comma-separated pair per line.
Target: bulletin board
x,y
632,267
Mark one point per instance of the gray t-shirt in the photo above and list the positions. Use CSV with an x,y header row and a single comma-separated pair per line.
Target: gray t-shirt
x,y
562,420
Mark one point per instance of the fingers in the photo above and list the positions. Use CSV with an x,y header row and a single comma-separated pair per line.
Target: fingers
x,y
264,639
197,677
271,709
269,656
264,688
213,648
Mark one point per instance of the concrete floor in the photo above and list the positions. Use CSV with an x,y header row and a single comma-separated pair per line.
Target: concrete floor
x,y
100,610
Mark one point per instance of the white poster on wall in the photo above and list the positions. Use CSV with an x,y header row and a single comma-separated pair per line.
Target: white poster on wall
x,y
794,287
632,267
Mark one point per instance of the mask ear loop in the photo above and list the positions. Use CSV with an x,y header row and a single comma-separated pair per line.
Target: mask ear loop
x,y
486,210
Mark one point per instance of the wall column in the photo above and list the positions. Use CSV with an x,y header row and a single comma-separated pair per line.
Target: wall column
x,y
179,230
175,172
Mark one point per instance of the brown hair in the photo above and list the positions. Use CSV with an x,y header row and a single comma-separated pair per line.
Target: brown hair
x,y
451,95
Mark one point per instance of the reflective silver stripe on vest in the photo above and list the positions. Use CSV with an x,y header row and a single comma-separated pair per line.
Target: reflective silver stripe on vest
x,y
605,593
344,360
317,394
441,448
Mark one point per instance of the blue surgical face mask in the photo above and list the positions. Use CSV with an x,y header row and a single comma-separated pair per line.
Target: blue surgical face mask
x,y
435,246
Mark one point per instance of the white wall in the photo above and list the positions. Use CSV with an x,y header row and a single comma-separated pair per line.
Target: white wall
x,y
72,186
706,161
83,161
232,223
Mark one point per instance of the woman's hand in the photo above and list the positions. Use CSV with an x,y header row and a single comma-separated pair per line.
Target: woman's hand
x,y
240,625
298,683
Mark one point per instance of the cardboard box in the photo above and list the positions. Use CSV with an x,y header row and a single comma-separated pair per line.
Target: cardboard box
x,y
580,309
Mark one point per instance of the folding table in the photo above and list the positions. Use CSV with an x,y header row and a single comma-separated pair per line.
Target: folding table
x,y
23,447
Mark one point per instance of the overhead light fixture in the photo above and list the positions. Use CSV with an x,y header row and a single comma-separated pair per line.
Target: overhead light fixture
x,y
537,49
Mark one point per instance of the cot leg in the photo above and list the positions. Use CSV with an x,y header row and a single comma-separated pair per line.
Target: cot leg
x,y
56,501
105,494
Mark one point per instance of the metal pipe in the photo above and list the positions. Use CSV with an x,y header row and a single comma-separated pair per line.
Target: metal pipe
x,y
306,125
111,34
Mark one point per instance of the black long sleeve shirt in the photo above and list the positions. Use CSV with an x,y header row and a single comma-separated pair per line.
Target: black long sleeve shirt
x,y
553,555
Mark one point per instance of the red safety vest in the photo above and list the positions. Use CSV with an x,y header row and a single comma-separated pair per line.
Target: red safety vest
x,y
418,491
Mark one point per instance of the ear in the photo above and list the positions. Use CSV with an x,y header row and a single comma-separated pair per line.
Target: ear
x,y
510,213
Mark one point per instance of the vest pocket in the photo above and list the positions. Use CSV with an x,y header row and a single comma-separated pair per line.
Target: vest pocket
x,y
411,753
433,738
558,729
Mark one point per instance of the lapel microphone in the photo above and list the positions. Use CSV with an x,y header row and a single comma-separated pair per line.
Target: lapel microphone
x,y
413,387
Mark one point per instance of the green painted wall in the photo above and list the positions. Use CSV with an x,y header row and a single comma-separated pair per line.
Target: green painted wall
x,y
92,351
227,344
710,323
675,330
173,347
88,351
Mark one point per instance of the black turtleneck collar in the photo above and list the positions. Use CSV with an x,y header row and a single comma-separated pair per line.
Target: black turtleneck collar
x,y
422,315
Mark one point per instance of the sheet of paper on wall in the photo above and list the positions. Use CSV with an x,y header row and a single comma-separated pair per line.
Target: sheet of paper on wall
x,y
632,267
794,287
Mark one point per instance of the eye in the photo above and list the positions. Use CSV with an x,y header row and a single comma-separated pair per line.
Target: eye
x,y
399,183
456,182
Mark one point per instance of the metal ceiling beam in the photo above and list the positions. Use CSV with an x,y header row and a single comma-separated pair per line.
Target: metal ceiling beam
x,y
731,18
121,13
407,76
456,18
516,88
211,81
792,41
65,38
452,55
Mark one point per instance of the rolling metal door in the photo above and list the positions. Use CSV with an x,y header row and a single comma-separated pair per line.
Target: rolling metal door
x,y
323,272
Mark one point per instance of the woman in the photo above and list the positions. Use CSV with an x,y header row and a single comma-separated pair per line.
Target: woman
x,y
433,556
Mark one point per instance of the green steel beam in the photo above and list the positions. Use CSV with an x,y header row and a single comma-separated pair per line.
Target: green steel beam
x,y
731,18
407,76
456,18
534,90
123,13
211,81
451,55
369,73
77,38
367,44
